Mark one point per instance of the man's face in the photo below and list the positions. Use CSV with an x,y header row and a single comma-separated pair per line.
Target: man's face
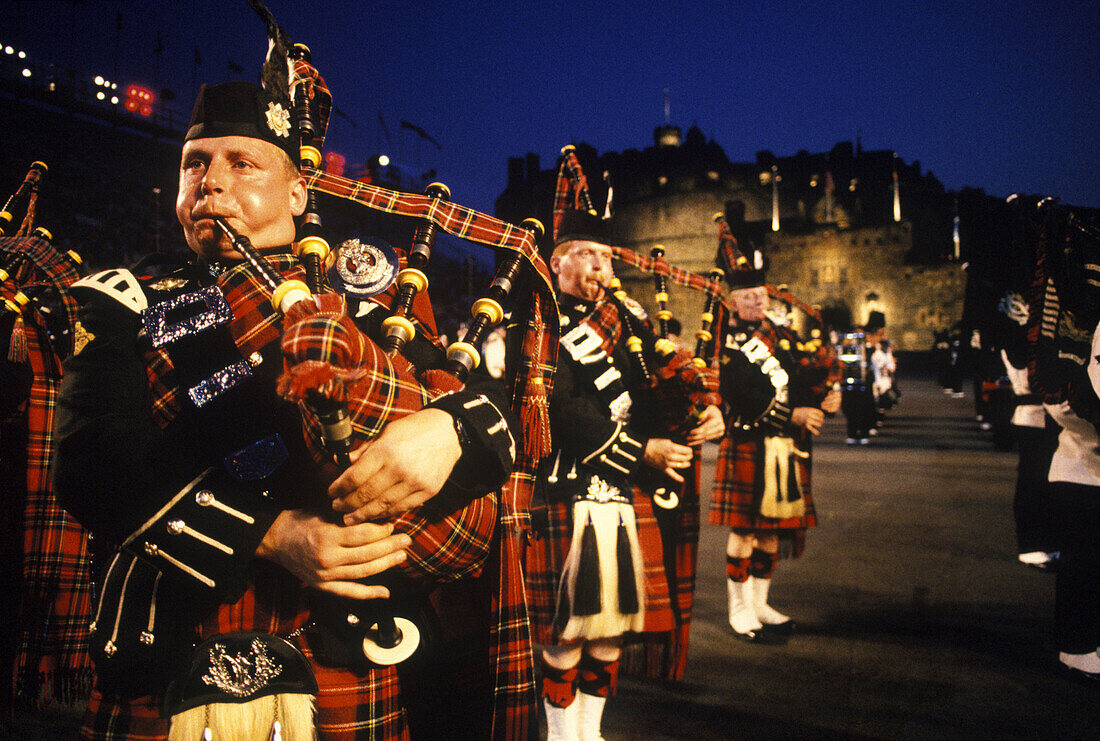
x,y
750,303
247,181
582,267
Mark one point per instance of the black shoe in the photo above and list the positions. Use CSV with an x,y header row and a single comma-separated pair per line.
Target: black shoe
x,y
786,628
1080,676
761,637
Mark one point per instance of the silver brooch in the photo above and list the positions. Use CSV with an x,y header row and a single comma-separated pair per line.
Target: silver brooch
x,y
244,674
363,269
278,119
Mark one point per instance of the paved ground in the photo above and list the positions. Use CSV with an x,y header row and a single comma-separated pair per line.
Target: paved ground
x,y
918,621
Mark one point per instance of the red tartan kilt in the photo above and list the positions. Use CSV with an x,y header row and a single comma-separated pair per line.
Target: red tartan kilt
x,y
738,483
663,655
545,555
348,703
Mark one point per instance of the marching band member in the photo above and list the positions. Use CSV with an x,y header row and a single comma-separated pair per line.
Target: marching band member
x,y
1063,347
762,483
192,473
585,564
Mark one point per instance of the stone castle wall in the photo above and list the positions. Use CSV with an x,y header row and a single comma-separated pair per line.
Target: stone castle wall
x,y
860,269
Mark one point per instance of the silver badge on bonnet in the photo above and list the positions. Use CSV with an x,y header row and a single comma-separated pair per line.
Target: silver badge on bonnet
x,y
278,119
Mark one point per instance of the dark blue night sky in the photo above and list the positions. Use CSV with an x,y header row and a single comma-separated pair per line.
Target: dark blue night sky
x,y
995,95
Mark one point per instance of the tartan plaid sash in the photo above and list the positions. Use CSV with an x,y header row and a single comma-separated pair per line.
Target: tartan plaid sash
x,y
55,597
55,602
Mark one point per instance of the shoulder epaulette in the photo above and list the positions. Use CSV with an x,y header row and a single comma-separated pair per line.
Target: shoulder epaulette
x,y
120,284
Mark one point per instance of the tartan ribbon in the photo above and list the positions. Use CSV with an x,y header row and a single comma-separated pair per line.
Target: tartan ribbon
x,y
822,357
460,221
571,193
791,299
818,357
660,266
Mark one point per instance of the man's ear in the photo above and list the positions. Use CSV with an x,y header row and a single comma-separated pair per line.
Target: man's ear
x,y
555,264
299,196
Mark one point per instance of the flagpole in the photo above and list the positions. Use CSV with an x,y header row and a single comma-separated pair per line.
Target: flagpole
x,y
955,232
775,198
897,192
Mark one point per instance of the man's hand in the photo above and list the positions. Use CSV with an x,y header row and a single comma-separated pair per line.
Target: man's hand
x,y
665,455
831,403
711,427
400,469
808,418
332,557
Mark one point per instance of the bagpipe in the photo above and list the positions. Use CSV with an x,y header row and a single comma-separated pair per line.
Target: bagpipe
x,y
676,386
35,277
817,358
332,370
38,325
1064,305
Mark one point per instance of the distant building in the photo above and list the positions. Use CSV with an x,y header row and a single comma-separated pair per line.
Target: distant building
x,y
844,241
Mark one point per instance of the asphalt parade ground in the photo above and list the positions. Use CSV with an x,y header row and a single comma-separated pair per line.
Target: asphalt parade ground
x,y
916,620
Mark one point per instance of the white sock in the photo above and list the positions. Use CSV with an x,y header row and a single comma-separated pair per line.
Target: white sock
x,y
561,723
590,714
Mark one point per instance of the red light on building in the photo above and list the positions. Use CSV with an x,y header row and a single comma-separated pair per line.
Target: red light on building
x,y
335,163
139,100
